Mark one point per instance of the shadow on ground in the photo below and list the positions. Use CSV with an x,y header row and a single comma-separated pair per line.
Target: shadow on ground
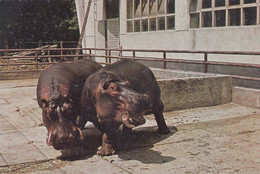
x,y
137,145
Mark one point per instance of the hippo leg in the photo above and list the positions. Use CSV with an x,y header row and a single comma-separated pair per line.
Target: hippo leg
x,y
106,148
162,127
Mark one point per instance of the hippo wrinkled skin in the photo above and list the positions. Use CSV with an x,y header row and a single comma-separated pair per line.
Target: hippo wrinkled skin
x,y
121,93
58,94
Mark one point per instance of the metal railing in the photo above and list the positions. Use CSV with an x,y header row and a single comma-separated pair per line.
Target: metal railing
x,y
40,58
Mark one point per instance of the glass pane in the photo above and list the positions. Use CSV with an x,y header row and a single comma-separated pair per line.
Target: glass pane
x,y
206,19
137,26
219,3
129,26
194,5
220,18
234,2
161,23
153,24
144,7
249,16
171,22
206,3
170,6
161,6
145,25
129,9
234,17
194,20
249,1
152,7
137,8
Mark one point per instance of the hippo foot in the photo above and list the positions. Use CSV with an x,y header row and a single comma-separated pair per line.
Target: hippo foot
x,y
164,130
106,151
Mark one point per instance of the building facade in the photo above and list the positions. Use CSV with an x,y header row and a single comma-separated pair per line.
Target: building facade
x,y
210,25
194,25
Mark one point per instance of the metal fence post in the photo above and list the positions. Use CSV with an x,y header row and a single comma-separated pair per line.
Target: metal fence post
x,y
109,54
133,55
205,62
90,54
164,59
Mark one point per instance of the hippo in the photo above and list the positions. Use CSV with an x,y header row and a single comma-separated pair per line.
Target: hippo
x,y
121,94
58,94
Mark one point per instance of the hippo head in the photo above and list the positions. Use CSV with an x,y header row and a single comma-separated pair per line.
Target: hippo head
x,y
60,120
116,101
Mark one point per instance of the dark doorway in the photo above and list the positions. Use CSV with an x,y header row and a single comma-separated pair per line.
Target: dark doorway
x,y
111,9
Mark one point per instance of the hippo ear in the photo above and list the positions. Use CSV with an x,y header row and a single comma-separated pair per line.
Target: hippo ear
x,y
45,103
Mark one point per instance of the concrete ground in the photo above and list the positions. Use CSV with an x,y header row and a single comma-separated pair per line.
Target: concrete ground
x,y
219,139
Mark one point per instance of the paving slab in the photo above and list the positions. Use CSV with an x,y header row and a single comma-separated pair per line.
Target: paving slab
x,y
219,139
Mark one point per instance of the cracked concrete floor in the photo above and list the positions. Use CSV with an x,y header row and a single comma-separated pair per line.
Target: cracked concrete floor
x,y
218,139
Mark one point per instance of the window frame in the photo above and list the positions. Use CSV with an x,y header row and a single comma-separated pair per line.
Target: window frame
x,y
157,16
199,10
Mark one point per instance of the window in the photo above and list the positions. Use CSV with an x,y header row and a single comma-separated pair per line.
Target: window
x,y
129,26
249,1
206,3
150,15
194,20
234,2
221,13
249,16
161,23
144,7
144,25
170,22
137,25
234,17
219,3
207,19
170,6
220,18
129,9
137,9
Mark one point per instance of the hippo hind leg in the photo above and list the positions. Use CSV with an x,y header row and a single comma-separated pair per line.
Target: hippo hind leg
x,y
158,114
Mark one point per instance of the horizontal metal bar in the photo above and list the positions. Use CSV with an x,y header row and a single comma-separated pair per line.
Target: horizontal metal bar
x,y
137,50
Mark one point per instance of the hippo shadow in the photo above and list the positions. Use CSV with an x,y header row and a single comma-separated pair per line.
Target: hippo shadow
x,y
136,145
139,145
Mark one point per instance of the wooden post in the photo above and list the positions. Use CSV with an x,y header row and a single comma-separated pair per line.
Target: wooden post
x,y
61,51
36,59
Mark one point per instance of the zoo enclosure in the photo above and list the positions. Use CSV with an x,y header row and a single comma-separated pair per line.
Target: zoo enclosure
x,y
38,59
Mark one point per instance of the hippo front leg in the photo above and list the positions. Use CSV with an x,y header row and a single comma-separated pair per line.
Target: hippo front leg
x,y
162,127
106,148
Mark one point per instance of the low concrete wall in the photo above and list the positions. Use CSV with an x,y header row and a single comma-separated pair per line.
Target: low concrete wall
x,y
246,96
185,90
19,75
180,94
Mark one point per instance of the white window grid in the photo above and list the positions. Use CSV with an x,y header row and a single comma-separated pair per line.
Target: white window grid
x,y
148,17
227,7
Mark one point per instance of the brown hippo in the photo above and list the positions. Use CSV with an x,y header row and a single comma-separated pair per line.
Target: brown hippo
x,y
121,93
58,94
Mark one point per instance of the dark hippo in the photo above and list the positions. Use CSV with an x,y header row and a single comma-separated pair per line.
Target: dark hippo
x,y
58,94
121,93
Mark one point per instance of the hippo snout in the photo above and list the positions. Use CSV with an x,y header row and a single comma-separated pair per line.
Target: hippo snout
x,y
61,138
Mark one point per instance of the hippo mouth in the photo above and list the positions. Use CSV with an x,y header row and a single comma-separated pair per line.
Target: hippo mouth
x,y
132,121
